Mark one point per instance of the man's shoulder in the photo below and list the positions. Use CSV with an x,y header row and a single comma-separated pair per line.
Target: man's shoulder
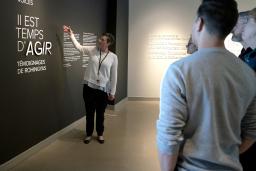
x,y
185,61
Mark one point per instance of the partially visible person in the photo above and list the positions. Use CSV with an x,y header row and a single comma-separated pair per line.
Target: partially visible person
x,y
239,27
191,47
249,37
248,158
100,80
205,99
237,33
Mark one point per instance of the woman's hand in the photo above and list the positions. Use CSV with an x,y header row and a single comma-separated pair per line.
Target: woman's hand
x,y
67,29
111,97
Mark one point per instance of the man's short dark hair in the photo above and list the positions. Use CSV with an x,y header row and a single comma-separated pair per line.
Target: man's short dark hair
x,y
219,16
110,38
252,13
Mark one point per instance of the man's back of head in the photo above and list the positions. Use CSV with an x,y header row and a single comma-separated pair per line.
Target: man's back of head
x,y
218,17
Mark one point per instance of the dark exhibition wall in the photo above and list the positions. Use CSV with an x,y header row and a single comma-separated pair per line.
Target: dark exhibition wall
x,y
122,46
41,76
117,24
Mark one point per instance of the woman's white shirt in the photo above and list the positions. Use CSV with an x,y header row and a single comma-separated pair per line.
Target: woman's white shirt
x,y
106,77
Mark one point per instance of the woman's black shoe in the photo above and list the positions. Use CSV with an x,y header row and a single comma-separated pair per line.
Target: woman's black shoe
x,y
101,139
87,140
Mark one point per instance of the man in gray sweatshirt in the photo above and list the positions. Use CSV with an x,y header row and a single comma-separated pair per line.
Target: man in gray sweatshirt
x,y
208,99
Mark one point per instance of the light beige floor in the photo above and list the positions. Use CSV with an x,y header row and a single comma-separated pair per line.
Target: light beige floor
x,y
130,145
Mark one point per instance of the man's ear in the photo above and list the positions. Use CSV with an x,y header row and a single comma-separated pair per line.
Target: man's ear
x,y
199,24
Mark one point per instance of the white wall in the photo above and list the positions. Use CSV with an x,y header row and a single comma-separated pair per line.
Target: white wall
x,y
147,17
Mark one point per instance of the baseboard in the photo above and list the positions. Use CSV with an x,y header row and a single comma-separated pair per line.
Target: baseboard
x,y
117,106
36,148
143,98
120,104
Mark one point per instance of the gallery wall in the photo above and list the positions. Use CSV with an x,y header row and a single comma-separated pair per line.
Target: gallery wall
x,y
122,13
40,93
170,20
118,25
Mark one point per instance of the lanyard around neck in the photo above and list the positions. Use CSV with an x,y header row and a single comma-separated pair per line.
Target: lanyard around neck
x,y
100,61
